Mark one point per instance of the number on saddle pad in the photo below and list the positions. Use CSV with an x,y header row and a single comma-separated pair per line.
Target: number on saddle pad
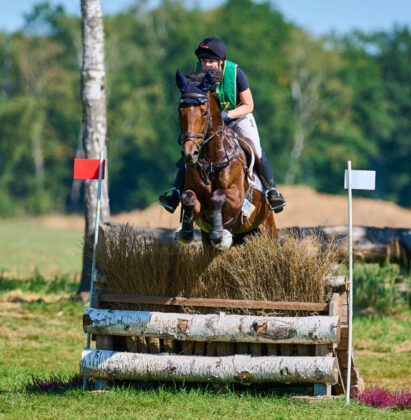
x,y
247,208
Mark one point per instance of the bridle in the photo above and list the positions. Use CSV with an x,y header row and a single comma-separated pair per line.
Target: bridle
x,y
196,100
208,168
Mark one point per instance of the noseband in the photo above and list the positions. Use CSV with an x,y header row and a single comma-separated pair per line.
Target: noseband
x,y
196,99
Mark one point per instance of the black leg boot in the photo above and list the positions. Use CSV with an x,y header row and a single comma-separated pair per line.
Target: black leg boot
x,y
275,199
171,198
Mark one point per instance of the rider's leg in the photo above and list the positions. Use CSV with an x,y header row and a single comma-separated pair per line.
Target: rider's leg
x,y
171,198
276,199
247,127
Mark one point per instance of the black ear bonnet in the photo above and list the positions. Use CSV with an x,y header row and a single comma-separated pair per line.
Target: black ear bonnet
x,y
193,93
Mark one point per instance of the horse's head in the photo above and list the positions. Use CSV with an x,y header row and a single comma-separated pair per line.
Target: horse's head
x,y
194,115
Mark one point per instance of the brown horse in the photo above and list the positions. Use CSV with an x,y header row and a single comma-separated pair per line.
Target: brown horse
x,y
217,193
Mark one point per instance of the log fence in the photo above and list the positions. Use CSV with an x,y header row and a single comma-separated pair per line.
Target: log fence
x,y
221,348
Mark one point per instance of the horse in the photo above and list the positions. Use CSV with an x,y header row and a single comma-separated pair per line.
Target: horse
x,y
218,193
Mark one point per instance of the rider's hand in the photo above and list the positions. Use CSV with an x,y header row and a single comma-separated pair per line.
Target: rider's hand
x,y
225,117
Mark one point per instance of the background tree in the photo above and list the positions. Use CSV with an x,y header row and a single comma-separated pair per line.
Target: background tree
x,y
94,121
351,101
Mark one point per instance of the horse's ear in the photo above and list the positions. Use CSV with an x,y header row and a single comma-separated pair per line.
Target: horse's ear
x,y
207,83
182,82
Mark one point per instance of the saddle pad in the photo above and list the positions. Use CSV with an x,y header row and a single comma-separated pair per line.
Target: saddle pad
x,y
256,183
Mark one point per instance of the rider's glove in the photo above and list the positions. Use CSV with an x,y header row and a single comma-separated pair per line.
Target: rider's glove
x,y
225,116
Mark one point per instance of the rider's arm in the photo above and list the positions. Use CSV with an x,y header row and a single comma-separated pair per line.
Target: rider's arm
x,y
247,105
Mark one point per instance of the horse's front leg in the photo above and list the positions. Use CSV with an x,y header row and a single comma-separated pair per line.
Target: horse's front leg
x,y
186,234
218,198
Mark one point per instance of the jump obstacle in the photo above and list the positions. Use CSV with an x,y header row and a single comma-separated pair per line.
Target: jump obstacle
x,y
220,348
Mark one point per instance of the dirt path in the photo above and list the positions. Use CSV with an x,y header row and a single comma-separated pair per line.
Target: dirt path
x,y
305,207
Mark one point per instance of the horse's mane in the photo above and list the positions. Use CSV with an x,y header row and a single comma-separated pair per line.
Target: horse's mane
x,y
216,76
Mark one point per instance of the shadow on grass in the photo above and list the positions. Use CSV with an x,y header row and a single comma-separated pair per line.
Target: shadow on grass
x,y
60,384
54,384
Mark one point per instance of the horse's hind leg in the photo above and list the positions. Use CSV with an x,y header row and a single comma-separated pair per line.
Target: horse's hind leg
x,y
186,234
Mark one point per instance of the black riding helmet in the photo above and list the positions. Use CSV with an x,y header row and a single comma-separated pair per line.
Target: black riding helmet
x,y
211,48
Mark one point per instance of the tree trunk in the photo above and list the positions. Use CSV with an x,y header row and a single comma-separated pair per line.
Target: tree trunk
x,y
94,122
223,369
228,328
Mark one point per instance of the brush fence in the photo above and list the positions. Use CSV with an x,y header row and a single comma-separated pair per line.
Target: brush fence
x,y
217,348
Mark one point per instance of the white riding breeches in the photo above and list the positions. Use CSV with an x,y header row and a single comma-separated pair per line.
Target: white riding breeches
x,y
246,127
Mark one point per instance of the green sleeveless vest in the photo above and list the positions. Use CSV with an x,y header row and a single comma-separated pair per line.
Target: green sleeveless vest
x,y
226,90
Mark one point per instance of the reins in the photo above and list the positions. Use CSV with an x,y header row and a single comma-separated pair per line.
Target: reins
x,y
189,135
207,167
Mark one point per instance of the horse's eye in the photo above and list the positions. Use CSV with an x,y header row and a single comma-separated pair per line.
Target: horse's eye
x,y
203,113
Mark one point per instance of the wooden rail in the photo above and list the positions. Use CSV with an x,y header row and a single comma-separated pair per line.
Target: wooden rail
x,y
214,303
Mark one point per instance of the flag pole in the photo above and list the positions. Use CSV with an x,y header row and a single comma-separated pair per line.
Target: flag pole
x,y
350,283
93,264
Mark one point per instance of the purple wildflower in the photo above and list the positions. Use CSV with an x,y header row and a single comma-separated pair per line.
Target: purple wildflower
x,y
382,398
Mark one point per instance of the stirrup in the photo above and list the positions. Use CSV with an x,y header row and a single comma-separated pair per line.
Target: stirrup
x,y
276,209
167,206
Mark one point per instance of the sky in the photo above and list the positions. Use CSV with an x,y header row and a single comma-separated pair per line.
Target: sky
x,y
317,16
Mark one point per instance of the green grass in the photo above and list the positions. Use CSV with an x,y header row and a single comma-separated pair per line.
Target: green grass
x,y
37,283
25,246
383,349
44,339
166,403
380,288
41,335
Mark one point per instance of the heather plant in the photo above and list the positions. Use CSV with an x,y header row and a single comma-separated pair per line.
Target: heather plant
x,y
383,398
263,268
134,262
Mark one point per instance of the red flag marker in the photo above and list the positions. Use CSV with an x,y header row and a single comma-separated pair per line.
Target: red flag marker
x,y
87,168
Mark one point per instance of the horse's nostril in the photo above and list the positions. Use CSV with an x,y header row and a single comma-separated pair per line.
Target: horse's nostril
x,y
195,153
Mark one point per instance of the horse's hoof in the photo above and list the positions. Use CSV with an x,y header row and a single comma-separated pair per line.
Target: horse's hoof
x,y
216,238
225,243
183,238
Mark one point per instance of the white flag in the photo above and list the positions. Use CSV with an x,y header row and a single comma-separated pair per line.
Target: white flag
x,y
360,180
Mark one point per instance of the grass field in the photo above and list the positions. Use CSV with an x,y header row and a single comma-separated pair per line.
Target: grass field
x,y
26,245
41,335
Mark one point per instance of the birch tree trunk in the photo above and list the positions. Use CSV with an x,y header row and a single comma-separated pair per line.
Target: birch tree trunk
x,y
224,369
94,121
213,327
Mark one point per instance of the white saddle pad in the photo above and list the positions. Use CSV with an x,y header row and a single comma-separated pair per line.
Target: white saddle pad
x,y
256,183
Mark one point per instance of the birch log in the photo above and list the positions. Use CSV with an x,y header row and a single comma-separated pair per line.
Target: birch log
x,y
338,283
225,369
228,328
94,119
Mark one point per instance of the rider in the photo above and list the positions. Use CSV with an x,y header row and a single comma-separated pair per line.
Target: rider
x,y
237,105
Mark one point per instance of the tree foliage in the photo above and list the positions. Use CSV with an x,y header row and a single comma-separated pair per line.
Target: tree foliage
x,y
318,101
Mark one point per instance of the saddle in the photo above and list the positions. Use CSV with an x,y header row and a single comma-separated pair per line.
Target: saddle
x,y
254,169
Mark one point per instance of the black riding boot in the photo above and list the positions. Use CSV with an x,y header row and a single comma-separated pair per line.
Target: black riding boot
x,y
275,199
171,198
